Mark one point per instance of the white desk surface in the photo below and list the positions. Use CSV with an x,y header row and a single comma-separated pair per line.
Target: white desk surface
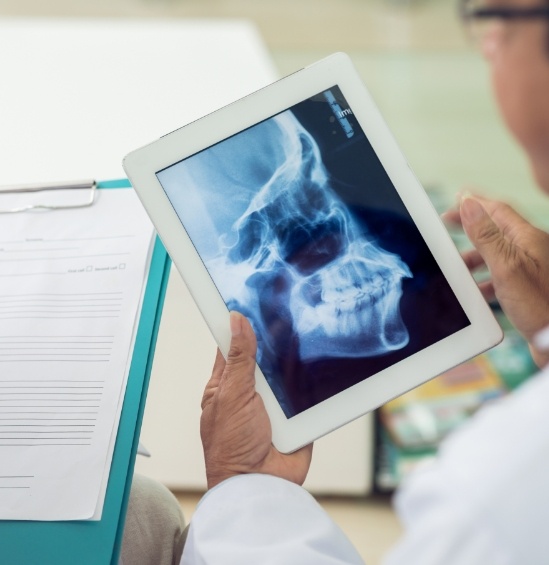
x,y
77,95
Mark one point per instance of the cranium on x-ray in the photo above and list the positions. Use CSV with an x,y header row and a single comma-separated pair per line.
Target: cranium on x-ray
x,y
275,222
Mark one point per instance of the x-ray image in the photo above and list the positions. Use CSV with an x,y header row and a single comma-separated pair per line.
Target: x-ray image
x,y
302,231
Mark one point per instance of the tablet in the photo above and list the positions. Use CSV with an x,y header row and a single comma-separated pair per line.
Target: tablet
x,y
295,206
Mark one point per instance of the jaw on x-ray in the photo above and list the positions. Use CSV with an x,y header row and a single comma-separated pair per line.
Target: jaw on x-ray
x,y
279,243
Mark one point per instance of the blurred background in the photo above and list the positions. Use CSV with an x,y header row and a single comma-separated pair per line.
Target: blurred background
x,y
429,83
433,89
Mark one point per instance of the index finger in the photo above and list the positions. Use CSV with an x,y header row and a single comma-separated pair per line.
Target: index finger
x,y
473,259
452,217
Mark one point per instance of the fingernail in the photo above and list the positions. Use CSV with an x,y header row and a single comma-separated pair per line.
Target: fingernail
x,y
471,209
236,323
461,195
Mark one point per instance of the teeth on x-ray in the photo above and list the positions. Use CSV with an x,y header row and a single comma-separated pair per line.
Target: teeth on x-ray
x,y
344,289
290,247
278,241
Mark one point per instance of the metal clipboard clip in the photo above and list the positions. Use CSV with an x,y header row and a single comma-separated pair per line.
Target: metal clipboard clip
x,y
90,185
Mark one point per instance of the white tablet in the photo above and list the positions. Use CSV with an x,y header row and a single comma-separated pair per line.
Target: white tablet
x,y
296,207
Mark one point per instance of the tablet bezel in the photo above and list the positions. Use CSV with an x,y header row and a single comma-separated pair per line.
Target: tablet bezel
x,y
484,332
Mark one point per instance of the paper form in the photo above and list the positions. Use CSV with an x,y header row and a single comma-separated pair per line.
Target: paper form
x,y
71,286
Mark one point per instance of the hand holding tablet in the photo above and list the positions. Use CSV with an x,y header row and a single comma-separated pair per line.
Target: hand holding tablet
x,y
295,207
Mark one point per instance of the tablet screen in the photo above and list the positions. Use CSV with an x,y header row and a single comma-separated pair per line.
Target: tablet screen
x,y
303,232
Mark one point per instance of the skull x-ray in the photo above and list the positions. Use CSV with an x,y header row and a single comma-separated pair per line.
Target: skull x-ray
x,y
302,231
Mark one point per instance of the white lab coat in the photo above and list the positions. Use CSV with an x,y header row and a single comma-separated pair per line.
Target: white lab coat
x,y
484,501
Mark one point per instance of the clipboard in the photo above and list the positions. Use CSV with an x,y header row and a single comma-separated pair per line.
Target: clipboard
x,y
99,542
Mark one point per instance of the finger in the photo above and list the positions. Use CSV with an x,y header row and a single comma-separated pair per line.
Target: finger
x,y
487,290
306,452
508,221
240,365
301,461
473,259
451,217
484,233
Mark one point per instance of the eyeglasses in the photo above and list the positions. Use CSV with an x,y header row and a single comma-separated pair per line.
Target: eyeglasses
x,y
479,19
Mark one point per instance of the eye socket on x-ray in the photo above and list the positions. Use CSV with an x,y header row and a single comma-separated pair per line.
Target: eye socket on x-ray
x,y
303,232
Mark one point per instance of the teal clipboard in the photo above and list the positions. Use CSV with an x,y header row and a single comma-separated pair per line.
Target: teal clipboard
x,y
99,543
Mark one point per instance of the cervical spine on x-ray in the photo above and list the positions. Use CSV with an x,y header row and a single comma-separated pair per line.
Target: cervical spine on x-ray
x,y
342,289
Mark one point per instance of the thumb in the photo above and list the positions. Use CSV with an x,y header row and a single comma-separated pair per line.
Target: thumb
x,y
483,232
240,364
